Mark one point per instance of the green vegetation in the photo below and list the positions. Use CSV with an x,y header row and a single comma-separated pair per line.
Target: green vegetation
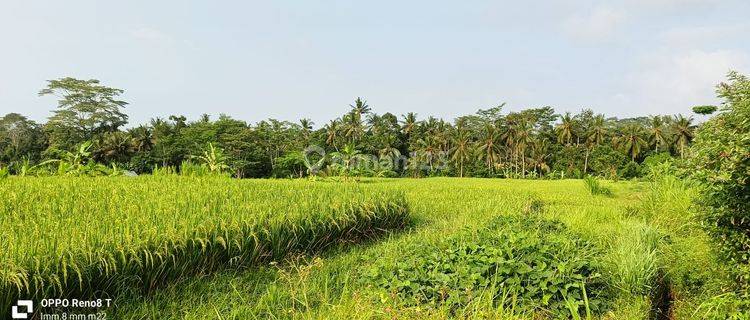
x,y
531,143
705,110
76,237
348,240
644,241
595,187
721,165
522,261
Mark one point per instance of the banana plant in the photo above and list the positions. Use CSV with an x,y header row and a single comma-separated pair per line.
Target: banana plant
x,y
213,158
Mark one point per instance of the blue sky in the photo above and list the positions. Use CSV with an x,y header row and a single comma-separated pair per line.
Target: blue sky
x,y
293,59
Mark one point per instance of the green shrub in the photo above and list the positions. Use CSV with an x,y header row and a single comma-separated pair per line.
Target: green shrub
x,y
657,162
721,163
724,306
4,172
705,110
605,161
631,170
536,262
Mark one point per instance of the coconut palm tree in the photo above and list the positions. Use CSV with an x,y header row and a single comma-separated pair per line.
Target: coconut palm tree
x,y
524,138
489,148
594,137
565,129
539,154
332,132
461,149
508,138
428,150
353,128
656,132
408,124
306,125
631,141
142,139
682,130
598,131
360,107
113,147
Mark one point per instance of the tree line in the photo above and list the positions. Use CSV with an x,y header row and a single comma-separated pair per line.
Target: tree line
x,y
89,123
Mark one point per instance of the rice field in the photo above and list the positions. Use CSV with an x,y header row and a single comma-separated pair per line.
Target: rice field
x,y
81,237
214,248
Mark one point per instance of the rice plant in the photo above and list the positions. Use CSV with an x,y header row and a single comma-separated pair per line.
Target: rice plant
x,y
87,237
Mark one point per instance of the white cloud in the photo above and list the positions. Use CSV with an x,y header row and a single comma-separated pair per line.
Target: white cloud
x,y
669,82
599,24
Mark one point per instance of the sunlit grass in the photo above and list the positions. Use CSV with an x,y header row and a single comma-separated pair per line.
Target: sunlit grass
x,y
644,233
81,237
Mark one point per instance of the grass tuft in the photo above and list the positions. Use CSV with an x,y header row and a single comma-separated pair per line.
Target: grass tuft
x,y
595,187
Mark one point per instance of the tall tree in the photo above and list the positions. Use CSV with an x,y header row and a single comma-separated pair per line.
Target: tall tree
x,y
656,133
410,120
598,131
332,133
683,131
565,129
631,140
112,147
524,137
489,148
20,137
461,150
85,108
306,125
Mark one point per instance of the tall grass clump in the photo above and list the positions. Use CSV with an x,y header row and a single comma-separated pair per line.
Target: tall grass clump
x,y
634,259
100,237
595,187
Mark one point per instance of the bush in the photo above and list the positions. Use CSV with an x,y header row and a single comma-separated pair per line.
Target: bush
x,y
605,161
657,161
631,170
535,262
721,164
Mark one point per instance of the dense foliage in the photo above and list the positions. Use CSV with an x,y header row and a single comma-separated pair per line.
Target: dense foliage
x,y
97,237
534,142
536,262
721,157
